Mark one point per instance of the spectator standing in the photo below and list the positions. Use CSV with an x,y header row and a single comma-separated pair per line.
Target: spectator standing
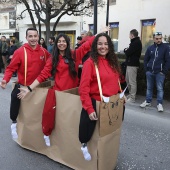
x,y
36,59
133,54
11,51
51,44
79,38
156,65
4,50
1,62
42,43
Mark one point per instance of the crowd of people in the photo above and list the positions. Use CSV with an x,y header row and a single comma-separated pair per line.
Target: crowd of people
x,y
7,49
59,61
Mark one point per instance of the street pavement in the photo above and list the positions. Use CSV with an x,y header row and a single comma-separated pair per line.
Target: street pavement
x,y
144,145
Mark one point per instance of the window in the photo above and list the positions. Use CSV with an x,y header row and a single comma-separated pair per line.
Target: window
x,y
148,28
91,28
112,2
114,34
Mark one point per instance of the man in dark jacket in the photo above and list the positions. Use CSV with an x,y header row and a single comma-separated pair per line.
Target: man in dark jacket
x,y
133,54
156,65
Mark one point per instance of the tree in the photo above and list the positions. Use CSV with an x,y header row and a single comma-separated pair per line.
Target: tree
x,y
46,10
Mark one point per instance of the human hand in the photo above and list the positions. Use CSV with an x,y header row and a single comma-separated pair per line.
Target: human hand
x,y
104,29
10,57
3,84
23,93
93,116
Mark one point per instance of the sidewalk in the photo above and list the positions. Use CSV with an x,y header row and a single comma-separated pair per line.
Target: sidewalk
x,y
141,99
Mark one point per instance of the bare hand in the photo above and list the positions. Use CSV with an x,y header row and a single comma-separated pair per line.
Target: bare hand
x,y
3,84
23,93
10,57
105,29
93,116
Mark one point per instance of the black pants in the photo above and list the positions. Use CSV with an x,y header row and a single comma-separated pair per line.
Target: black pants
x,y
15,103
86,126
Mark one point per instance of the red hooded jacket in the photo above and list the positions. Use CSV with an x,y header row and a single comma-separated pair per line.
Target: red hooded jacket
x,y
63,80
36,59
89,86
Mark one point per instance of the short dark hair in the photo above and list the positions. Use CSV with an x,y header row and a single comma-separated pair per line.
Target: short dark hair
x,y
52,38
30,29
13,41
134,32
3,36
79,38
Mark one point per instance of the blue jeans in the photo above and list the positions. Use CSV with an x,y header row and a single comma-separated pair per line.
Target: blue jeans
x,y
159,79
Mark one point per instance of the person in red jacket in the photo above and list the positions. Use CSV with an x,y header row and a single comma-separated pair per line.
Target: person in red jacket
x,y
103,55
63,66
27,70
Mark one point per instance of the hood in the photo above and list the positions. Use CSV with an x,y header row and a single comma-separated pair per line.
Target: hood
x,y
28,47
136,38
85,39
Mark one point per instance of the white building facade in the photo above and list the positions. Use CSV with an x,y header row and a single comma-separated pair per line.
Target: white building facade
x,y
147,16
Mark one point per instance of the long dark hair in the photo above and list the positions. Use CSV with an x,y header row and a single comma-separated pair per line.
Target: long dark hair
x,y
67,56
43,44
110,56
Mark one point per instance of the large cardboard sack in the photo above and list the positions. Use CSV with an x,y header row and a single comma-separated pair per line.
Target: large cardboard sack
x,y
65,145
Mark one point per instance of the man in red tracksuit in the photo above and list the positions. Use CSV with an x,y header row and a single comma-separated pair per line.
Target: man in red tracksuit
x,y
28,61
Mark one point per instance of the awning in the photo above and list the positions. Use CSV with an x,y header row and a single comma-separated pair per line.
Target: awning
x,y
7,31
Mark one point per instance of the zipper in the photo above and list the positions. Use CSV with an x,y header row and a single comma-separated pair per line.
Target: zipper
x,y
156,55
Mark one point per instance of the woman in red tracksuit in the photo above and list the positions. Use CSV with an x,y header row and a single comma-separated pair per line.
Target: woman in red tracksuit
x,y
103,55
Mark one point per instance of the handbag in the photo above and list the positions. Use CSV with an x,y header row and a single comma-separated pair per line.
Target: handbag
x,y
110,112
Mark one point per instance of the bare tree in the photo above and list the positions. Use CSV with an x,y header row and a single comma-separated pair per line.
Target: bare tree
x,y
46,10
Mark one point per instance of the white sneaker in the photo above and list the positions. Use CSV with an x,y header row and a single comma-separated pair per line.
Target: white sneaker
x,y
86,154
47,140
144,104
160,108
130,100
14,131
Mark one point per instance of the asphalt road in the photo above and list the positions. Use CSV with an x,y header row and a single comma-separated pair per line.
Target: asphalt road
x,y
145,141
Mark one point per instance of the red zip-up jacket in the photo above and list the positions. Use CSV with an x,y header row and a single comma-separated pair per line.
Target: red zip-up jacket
x,y
63,80
89,86
36,59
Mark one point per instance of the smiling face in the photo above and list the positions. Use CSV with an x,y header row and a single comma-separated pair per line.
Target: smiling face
x,y
41,41
32,38
102,46
61,44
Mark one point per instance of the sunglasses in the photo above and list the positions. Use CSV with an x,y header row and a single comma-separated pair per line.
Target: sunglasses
x,y
157,33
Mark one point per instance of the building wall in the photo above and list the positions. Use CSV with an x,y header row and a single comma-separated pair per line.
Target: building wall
x,y
129,14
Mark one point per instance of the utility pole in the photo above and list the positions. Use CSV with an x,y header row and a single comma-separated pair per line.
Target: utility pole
x,y
95,17
107,14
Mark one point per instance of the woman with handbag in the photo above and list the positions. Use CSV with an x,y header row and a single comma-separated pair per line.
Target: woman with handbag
x,y
103,58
